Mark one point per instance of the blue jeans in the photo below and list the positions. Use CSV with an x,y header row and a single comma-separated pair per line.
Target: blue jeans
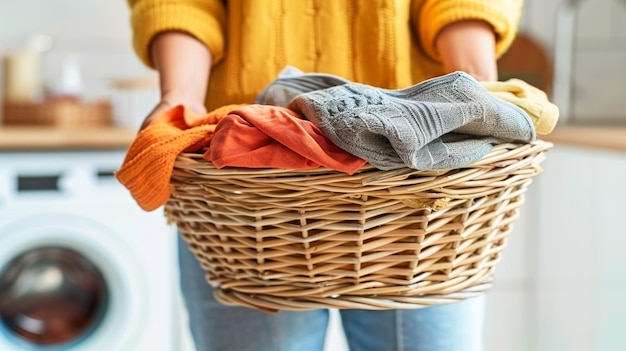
x,y
216,327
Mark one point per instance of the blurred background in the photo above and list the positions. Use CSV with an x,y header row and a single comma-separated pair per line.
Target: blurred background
x,y
70,234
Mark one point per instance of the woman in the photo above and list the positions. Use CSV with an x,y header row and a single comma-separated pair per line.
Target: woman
x,y
210,53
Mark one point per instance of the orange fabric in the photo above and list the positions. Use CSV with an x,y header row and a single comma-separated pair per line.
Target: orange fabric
x,y
149,161
264,136
238,135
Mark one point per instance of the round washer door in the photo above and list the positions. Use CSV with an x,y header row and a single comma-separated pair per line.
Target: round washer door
x,y
67,283
52,296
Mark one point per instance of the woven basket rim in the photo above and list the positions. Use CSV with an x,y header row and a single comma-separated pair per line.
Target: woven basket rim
x,y
276,239
499,152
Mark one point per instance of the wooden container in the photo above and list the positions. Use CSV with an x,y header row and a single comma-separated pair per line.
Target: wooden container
x,y
57,113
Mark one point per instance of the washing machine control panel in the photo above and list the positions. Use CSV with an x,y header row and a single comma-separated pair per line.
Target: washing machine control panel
x,y
37,176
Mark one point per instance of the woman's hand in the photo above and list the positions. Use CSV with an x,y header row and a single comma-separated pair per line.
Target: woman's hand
x,y
184,66
469,46
168,102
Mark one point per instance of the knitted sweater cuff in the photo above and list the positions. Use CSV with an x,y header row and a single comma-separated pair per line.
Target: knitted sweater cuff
x,y
503,16
205,20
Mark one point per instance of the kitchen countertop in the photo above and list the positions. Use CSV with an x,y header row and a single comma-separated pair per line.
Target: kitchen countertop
x,y
46,138
602,137
49,138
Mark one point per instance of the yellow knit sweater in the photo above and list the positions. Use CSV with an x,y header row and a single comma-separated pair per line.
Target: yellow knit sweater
x,y
385,43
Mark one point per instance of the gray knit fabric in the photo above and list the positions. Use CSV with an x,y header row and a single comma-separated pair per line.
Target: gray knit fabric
x,y
445,122
292,82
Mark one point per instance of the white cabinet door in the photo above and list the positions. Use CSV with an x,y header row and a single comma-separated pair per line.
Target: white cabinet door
x,y
580,260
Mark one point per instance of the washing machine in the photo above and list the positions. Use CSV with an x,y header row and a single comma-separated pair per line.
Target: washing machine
x,y
82,267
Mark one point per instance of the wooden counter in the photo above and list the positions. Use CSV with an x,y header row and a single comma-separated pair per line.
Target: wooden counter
x,y
38,138
46,138
611,138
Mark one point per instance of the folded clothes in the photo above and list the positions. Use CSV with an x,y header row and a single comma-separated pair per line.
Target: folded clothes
x,y
406,128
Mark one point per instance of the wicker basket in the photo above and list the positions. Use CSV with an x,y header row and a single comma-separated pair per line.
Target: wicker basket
x,y
299,240
58,113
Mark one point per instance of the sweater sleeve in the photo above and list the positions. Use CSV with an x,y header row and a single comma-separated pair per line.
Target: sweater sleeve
x,y
204,19
431,16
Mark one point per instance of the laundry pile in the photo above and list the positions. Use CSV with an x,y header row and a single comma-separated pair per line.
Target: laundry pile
x,y
309,120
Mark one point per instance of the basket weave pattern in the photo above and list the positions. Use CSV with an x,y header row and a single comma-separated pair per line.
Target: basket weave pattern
x,y
297,240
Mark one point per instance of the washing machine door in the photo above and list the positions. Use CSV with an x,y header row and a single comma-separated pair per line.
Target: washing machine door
x,y
51,296
68,283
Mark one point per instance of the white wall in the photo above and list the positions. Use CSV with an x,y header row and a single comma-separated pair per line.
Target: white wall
x,y
97,31
599,56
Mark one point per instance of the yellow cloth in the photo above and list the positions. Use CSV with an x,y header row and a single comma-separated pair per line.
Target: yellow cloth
x,y
375,42
534,101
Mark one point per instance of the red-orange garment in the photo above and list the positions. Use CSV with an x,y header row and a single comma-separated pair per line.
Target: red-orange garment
x,y
149,161
264,136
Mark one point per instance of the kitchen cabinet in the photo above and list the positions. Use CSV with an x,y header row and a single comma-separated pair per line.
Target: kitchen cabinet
x,y
579,282
560,285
